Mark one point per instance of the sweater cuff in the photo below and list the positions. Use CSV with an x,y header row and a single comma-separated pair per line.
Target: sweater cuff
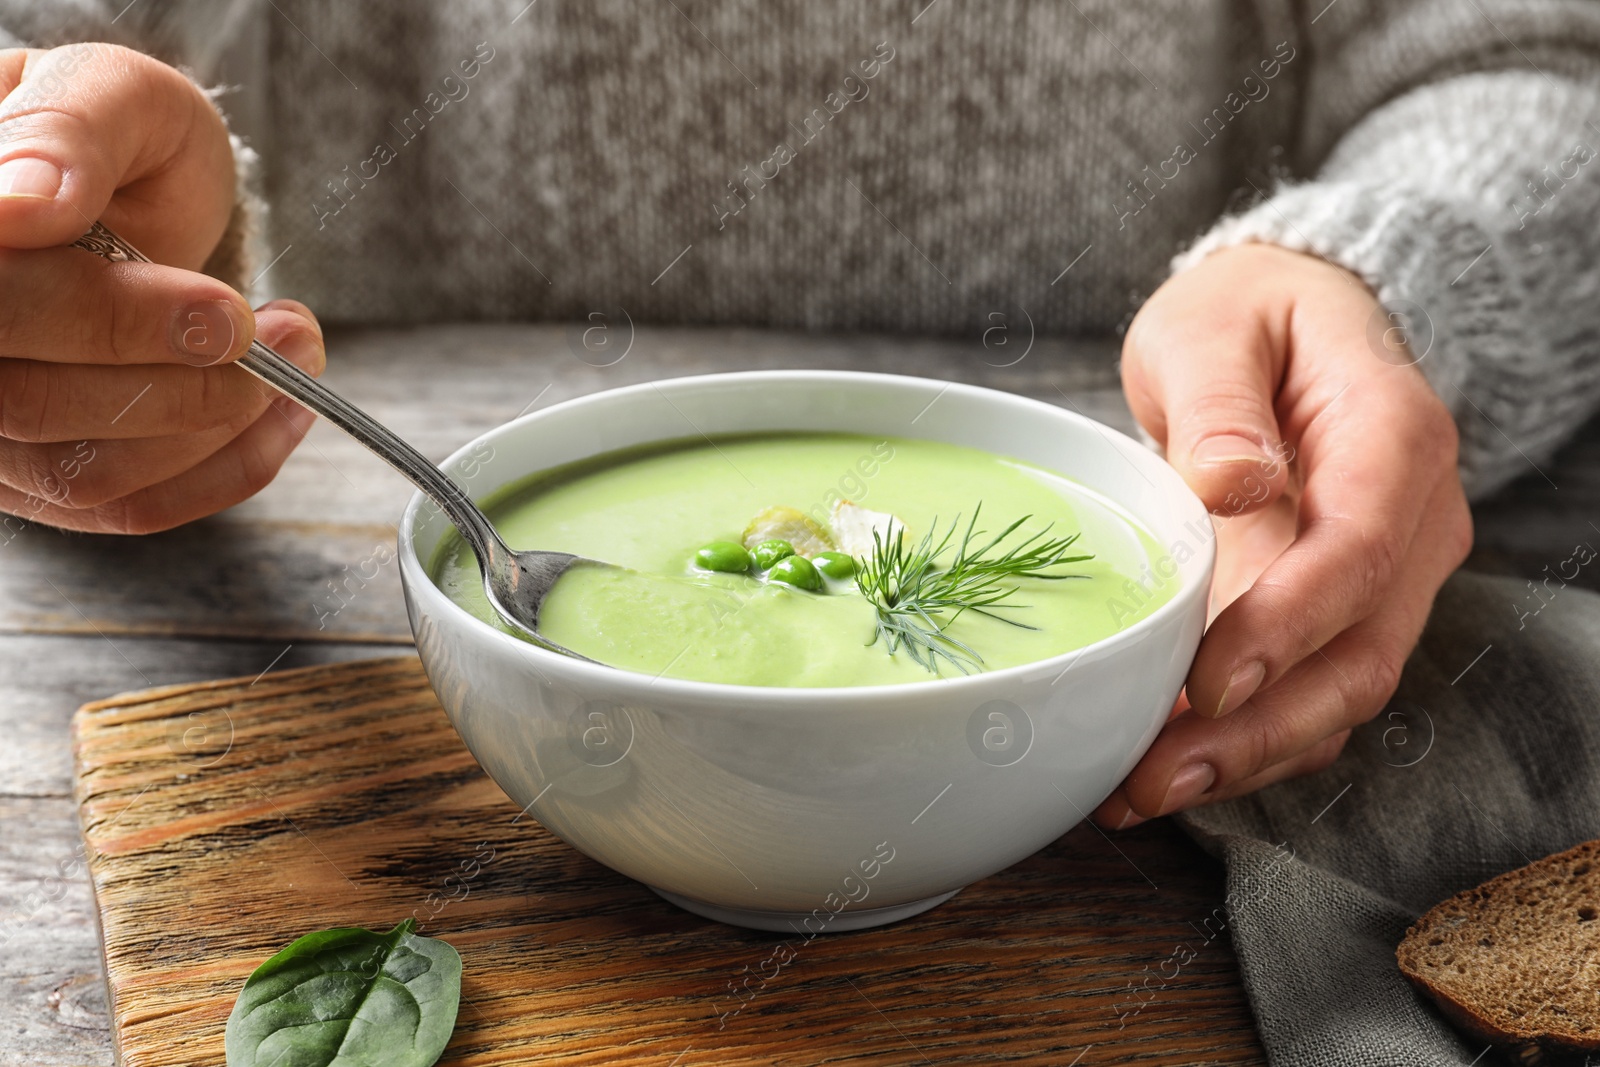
x,y
1440,283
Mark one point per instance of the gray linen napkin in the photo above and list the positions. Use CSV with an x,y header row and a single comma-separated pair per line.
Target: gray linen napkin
x,y
1483,762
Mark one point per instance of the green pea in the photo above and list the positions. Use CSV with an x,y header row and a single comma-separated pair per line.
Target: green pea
x,y
796,571
769,552
834,564
723,556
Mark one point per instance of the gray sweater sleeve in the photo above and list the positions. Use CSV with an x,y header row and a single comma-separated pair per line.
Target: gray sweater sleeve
x,y
191,34
1470,204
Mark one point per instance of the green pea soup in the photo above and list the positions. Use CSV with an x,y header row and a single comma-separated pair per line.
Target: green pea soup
x,y
650,510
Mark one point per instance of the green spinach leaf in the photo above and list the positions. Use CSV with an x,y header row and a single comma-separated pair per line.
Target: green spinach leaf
x,y
349,998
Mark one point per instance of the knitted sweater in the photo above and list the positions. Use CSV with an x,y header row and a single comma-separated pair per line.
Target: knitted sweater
x,y
921,166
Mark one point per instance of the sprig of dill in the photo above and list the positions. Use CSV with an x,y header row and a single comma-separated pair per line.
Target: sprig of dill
x,y
917,598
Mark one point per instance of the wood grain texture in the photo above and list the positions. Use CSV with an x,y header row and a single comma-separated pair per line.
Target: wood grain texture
x,y
52,991
222,820
201,602
50,969
227,595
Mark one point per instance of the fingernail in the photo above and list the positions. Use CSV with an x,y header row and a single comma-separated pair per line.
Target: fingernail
x,y
30,177
299,418
1188,785
208,332
304,351
1242,685
1129,819
1227,448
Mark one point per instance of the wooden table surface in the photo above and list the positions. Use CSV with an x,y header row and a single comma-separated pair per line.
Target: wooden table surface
x,y
251,590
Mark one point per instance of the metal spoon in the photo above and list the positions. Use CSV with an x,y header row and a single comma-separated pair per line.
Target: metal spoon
x,y
517,582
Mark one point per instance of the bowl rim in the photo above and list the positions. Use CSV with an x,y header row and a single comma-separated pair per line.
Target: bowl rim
x,y
418,583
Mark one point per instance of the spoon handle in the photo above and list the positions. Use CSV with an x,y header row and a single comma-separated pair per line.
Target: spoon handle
x,y
295,383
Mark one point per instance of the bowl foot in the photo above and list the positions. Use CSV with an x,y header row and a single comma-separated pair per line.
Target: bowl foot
x,y
789,922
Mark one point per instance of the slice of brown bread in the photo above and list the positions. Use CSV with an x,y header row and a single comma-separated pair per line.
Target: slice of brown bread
x,y
1516,961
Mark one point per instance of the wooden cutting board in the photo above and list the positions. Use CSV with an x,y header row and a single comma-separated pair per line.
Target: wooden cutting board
x,y
225,819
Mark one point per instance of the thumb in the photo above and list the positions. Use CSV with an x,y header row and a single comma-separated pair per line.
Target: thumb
x,y
1209,399
80,123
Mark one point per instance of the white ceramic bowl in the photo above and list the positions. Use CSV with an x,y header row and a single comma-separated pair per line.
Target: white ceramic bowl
x,y
806,810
